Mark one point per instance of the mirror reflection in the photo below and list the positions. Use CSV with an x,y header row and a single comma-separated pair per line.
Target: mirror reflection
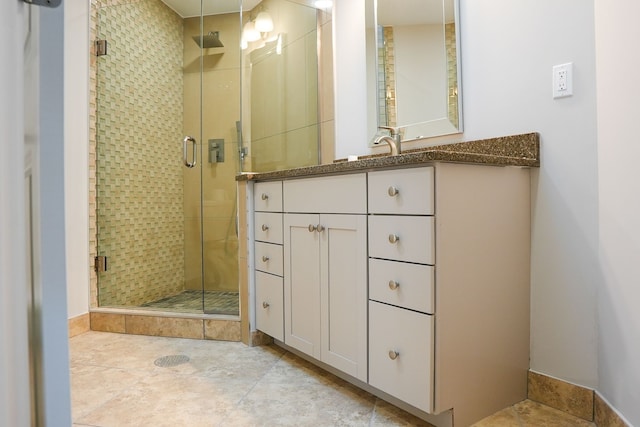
x,y
413,66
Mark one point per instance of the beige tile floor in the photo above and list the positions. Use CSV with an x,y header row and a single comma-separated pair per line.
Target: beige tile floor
x,y
115,382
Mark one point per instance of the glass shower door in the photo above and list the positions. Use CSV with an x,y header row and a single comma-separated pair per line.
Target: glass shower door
x,y
216,50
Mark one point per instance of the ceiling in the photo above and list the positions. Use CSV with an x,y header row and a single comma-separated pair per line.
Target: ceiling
x,y
191,8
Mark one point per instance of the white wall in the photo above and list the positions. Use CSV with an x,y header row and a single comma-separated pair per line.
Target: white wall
x,y
617,63
76,127
508,50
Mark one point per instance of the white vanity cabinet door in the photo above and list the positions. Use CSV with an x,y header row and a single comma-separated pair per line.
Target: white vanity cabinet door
x,y
267,196
268,227
269,305
402,284
302,283
343,290
326,289
269,258
402,192
401,354
414,234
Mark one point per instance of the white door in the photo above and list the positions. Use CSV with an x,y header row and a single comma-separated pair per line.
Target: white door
x,y
343,272
44,212
14,367
302,283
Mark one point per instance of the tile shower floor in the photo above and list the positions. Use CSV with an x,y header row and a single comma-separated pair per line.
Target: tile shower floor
x,y
115,382
191,301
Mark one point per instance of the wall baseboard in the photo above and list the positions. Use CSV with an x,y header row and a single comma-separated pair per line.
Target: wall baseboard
x,y
79,325
604,415
581,402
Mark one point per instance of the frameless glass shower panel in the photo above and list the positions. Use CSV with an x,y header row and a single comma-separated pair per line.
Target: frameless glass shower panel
x,y
140,208
282,112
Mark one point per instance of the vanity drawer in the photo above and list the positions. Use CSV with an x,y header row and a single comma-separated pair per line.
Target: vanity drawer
x,y
402,284
408,373
267,196
415,242
268,227
327,194
269,258
269,305
405,191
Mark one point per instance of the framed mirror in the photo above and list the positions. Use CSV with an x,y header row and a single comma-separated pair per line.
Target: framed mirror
x,y
413,66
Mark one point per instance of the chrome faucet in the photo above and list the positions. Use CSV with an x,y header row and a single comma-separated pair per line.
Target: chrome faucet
x,y
394,141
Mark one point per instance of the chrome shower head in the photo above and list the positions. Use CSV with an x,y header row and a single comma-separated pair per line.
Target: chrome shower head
x,y
208,40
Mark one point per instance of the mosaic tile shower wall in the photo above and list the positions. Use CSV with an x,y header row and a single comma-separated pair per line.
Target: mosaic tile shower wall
x,y
452,67
388,62
140,219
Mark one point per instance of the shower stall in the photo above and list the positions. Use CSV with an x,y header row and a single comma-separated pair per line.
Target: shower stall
x,y
183,103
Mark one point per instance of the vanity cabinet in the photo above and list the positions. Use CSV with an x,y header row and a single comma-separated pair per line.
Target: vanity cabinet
x,y
268,258
412,282
325,279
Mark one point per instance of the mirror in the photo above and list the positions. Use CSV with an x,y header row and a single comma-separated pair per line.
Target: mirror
x,y
413,58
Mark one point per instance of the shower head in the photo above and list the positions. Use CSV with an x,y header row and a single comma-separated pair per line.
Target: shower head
x,y
208,40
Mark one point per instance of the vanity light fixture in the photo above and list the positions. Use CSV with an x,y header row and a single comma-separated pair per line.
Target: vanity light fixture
x,y
249,32
256,29
323,4
264,23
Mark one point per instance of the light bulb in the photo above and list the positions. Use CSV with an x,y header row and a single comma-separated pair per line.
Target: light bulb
x,y
249,32
264,23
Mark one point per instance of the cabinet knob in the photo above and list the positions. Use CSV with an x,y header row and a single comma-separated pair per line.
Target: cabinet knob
x,y
320,228
264,196
393,238
393,355
393,191
393,285
312,228
265,304
265,258
265,227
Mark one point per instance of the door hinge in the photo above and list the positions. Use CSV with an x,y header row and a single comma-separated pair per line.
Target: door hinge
x,y
100,264
47,3
101,47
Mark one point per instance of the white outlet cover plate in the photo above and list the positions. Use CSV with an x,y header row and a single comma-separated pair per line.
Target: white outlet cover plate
x,y
562,80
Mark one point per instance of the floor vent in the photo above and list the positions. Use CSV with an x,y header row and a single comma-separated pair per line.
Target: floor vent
x,y
173,360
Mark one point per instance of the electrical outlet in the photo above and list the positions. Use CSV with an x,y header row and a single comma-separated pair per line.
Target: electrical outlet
x,y
563,80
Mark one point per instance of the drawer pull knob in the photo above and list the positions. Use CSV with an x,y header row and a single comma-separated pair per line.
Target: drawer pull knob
x,y
393,285
393,355
393,238
265,227
393,191
265,304
265,258
312,228
320,228
264,196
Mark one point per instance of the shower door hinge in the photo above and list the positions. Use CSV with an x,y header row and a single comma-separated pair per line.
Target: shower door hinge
x,y
47,3
100,264
101,47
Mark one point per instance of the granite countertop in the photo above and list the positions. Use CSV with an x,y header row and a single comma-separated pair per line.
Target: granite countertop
x,y
515,150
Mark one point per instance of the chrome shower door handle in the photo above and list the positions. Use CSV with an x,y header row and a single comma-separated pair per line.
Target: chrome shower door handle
x,y
185,151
